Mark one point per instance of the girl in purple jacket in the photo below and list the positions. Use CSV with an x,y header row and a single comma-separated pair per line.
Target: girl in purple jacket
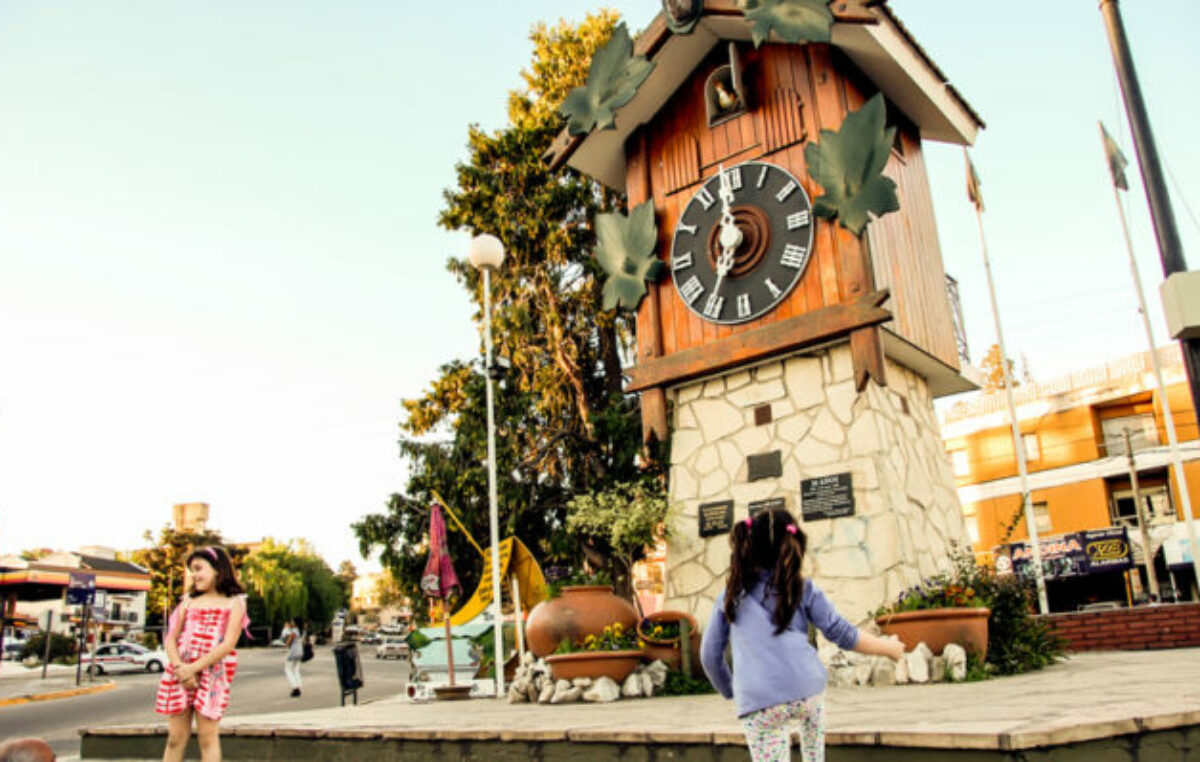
x,y
764,612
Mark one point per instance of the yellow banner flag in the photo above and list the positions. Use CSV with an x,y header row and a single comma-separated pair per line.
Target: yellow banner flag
x,y
515,561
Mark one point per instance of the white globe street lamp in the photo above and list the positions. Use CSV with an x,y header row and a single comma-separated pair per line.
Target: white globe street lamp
x,y
486,254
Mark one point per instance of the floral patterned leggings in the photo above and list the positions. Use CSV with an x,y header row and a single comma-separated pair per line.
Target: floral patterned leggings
x,y
768,736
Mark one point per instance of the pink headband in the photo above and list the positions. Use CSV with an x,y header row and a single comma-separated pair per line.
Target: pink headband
x,y
792,529
211,553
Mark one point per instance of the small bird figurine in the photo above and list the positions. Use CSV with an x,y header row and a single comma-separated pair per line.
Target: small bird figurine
x,y
725,99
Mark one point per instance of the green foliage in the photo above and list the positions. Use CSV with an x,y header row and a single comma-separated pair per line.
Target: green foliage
x,y
625,249
679,684
792,20
612,81
417,640
622,519
563,424
614,637
61,647
849,166
290,581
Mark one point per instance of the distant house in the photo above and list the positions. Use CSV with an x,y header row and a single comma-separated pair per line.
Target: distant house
x,y
366,602
29,588
1074,431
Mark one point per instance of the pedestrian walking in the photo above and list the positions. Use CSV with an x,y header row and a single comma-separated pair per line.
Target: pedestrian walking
x,y
201,636
293,637
764,612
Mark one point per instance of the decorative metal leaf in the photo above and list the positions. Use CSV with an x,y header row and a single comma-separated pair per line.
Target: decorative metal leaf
x,y
613,80
792,20
625,249
849,166
682,15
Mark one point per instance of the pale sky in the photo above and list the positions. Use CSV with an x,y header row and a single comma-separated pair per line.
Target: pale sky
x,y
220,268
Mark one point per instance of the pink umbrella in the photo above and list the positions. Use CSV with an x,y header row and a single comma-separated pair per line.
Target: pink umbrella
x,y
439,580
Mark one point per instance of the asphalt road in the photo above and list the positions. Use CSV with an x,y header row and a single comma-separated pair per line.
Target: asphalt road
x,y
259,687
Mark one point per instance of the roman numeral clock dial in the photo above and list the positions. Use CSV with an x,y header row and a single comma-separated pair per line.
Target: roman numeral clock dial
x,y
742,243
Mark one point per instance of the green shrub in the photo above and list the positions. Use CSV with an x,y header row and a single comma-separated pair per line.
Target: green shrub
x,y
1017,641
60,646
679,684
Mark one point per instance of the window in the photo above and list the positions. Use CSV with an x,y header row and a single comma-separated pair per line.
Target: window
x,y
1032,450
962,464
1156,503
1142,433
1041,515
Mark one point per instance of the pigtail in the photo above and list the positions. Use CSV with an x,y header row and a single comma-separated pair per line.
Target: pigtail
x,y
741,566
786,578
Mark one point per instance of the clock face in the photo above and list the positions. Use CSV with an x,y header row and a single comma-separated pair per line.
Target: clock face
x,y
734,260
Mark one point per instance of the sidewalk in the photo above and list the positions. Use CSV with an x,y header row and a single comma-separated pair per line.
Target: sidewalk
x,y
1104,698
19,685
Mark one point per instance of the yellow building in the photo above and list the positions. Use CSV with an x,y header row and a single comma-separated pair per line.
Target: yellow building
x,y
1074,432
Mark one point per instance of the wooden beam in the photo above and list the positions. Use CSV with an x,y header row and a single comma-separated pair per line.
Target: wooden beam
x,y
760,343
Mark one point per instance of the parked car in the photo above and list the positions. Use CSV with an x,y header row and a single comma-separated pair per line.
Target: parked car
x,y
371,639
392,647
12,649
125,657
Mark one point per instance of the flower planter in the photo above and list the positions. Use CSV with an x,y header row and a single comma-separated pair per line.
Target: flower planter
x,y
614,664
577,613
937,628
667,649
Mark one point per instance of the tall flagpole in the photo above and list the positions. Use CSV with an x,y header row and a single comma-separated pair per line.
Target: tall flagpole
x,y
1116,166
1018,443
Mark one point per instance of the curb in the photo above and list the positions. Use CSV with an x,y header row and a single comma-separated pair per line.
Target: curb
x,y
57,694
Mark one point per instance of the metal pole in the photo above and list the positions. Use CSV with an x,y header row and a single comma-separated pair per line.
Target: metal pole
x,y
1168,419
46,633
1170,250
1018,444
493,517
518,615
1143,523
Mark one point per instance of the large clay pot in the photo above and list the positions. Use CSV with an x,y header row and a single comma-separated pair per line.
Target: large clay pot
x,y
938,628
668,649
613,664
577,613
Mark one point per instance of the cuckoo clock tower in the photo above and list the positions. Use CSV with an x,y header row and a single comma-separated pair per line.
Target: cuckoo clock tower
x,y
795,326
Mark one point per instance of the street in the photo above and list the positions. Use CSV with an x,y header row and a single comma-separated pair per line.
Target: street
x,y
260,686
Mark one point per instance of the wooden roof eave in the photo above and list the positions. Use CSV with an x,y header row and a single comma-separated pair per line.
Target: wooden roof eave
x,y
867,31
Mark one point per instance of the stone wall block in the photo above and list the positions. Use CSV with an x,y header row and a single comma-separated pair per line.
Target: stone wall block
x,y
805,381
841,365
827,429
686,418
758,393
717,418
714,388
714,484
841,397
683,484
844,562
707,461
864,435
688,579
849,531
746,492
811,452
737,380
883,538
683,444
793,428
753,440
689,393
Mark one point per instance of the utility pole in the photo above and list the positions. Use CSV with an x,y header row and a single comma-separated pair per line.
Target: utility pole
x,y
1143,524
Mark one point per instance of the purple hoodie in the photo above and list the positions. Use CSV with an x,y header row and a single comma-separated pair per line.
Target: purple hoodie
x,y
771,669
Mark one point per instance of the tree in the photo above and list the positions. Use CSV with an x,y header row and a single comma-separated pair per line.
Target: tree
x,y
993,371
35,554
290,581
346,574
563,423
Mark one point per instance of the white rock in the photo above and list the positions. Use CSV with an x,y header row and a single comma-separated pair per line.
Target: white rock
x,y
528,659
901,671
658,670
648,684
603,690
534,692
582,682
566,696
937,669
956,662
918,663
841,677
632,687
547,693
884,672
517,695
862,674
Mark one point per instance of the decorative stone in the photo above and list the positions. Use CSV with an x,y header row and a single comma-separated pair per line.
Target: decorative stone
x,y
603,691
647,685
862,674
883,672
956,662
565,695
902,671
717,418
633,685
528,659
533,691
937,669
841,677
516,695
547,693
582,682
918,663
657,670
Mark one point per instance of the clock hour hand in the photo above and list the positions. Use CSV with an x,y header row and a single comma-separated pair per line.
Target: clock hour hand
x,y
730,237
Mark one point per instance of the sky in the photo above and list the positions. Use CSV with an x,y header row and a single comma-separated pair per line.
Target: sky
x,y
221,268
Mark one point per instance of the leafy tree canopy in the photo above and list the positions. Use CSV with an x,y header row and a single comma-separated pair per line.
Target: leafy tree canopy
x,y
993,371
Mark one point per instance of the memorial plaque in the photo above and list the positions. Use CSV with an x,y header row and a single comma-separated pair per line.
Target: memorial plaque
x,y
758,506
826,497
716,518
765,466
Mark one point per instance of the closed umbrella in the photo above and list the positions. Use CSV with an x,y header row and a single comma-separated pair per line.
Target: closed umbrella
x,y
439,580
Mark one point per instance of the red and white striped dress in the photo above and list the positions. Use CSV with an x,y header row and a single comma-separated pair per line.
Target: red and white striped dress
x,y
201,630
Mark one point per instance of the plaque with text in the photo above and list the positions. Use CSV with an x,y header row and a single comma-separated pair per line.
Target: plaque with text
x,y
716,518
826,497
771,503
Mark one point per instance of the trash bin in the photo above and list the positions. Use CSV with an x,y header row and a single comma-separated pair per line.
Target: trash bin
x,y
349,669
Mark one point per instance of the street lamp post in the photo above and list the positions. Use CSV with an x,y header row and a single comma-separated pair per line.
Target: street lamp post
x,y
487,253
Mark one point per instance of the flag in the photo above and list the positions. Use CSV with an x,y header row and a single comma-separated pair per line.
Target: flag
x,y
973,194
1116,159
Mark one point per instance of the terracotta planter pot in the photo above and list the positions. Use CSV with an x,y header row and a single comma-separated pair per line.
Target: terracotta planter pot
x,y
668,649
614,664
937,628
577,613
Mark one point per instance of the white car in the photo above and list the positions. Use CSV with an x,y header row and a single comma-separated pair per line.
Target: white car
x,y
126,657
392,646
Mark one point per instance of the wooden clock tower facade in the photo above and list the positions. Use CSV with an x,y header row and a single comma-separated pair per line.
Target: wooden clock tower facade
x,y
811,384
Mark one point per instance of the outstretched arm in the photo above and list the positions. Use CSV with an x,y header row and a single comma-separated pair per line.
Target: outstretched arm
x,y
877,646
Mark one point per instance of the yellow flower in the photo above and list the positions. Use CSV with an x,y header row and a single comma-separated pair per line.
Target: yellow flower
x,y
616,628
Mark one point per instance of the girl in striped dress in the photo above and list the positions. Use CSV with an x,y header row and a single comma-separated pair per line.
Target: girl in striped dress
x,y
200,641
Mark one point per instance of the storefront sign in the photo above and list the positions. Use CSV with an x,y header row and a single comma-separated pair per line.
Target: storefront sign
x,y
826,497
1075,554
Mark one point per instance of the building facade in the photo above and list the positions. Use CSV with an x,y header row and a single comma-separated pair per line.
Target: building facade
x,y
1075,431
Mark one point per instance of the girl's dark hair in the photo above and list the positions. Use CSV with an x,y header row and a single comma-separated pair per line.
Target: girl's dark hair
x,y
771,541
227,581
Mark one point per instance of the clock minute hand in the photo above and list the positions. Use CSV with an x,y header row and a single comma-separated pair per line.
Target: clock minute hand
x,y
730,237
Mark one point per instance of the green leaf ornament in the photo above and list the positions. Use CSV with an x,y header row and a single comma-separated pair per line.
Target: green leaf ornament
x,y
612,81
792,20
849,164
625,249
